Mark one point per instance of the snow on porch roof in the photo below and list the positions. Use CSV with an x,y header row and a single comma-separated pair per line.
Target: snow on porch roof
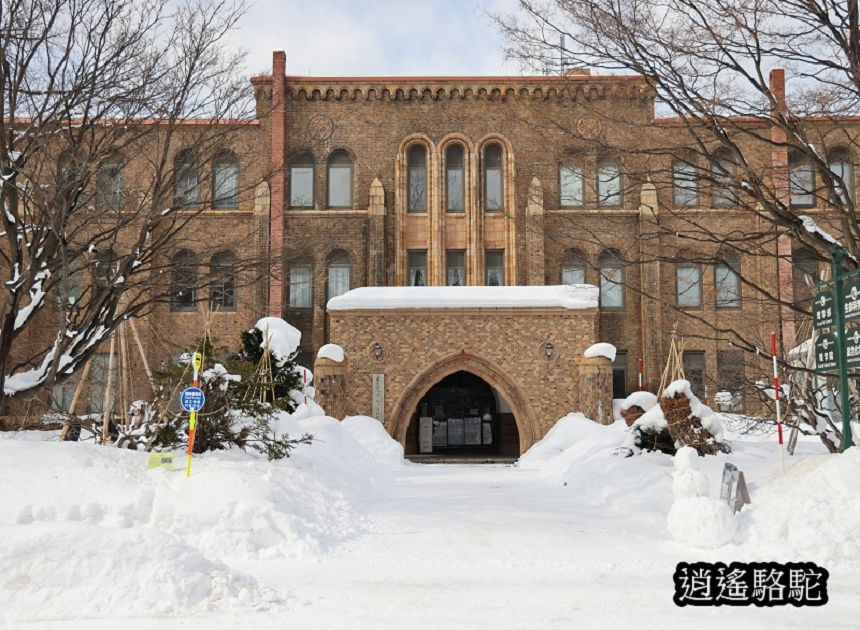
x,y
572,296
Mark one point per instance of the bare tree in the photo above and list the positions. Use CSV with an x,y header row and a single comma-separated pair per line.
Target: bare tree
x,y
97,99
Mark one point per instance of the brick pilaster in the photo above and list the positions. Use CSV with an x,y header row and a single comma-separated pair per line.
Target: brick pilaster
x,y
276,213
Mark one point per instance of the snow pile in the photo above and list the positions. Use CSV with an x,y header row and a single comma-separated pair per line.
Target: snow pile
x,y
281,339
643,400
600,350
331,351
570,296
371,434
653,418
697,520
88,531
710,421
810,512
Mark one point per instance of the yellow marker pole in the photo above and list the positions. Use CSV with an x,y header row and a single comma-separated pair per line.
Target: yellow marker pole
x,y
192,418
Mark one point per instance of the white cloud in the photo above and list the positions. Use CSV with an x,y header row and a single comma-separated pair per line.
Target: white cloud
x,y
375,37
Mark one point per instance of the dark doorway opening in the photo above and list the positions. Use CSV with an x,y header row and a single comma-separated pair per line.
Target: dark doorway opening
x,y
462,416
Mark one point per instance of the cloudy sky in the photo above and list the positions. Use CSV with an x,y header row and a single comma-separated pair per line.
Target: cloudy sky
x,y
376,37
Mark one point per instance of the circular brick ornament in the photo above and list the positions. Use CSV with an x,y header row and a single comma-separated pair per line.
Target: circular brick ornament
x,y
320,127
589,127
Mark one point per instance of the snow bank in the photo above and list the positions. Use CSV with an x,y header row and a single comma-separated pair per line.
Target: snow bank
x,y
571,296
653,418
279,337
371,434
331,351
710,420
88,531
600,350
810,512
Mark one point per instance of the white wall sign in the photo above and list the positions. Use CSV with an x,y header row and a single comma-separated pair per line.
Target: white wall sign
x,y
425,434
378,405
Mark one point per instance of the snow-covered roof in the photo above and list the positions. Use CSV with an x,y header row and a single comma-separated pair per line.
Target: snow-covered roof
x,y
570,296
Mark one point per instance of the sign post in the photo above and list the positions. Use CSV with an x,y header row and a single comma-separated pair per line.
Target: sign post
x,y
192,400
839,349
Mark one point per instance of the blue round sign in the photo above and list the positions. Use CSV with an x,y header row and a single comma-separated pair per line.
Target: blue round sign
x,y
192,399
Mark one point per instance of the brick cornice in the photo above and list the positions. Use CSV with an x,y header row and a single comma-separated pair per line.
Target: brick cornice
x,y
588,88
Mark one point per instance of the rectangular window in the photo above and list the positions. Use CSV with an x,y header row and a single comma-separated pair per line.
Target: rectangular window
x,y
685,184
98,378
612,287
694,370
608,184
186,185
495,268
340,187
417,189
338,280
570,181
493,188
455,263
454,189
801,183
619,375
226,184
573,275
301,281
417,268
730,377
302,186
727,287
689,286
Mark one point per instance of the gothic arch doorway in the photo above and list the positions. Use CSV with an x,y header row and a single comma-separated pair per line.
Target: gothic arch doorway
x,y
464,389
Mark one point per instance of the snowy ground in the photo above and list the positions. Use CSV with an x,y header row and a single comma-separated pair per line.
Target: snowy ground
x,y
344,535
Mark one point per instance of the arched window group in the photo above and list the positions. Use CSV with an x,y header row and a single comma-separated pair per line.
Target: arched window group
x,y
607,183
185,282
224,182
338,184
338,279
455,178
416,185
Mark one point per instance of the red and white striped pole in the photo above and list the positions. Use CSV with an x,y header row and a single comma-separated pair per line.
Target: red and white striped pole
x,y
640,374
305,384
776,396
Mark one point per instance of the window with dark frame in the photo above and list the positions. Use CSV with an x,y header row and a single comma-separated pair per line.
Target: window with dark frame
x,y
339,272
619,374
301,286
685,183
688,284
183,281
723,186
223,292
225,181
495,263
455,182
571,185
109,190
493,190
339,180
727,281
416,263
801,182
694,370
302,181
186,179
731,377
417,179
455,267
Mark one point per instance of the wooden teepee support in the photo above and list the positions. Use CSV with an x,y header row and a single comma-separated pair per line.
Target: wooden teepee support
x,y
684,428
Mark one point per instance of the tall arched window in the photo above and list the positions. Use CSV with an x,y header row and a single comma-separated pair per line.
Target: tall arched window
x,y
455,181
573,269
611,280
685,183
225,180
723,175
688,285
494,198
109,183
183,281
608,183
339,180
339,272
839,161
417,178
727,281
222,267
801,180
186,179
302,181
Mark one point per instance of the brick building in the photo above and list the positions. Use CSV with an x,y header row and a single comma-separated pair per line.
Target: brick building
x,y
514,181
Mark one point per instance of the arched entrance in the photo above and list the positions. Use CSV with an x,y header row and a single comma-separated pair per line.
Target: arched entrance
x,y
463,416
508,399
